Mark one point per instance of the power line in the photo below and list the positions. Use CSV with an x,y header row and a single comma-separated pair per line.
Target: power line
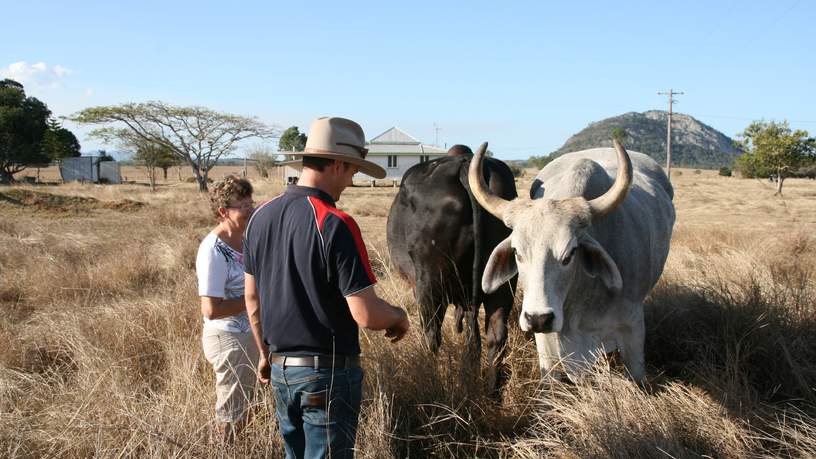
x,y
739,118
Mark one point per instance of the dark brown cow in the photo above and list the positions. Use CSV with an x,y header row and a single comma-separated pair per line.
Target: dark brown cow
x,y
434,228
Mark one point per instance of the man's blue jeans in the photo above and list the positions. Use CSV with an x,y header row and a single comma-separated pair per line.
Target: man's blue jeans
x,y
317,410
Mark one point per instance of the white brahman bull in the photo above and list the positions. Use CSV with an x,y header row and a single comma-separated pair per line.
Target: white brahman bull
x,y
587,251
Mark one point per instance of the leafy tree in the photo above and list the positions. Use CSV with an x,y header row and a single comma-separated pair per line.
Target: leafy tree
x,y
196,135
749,167
23,123
539,161
103,155
59,143
292,140
153,156
773,147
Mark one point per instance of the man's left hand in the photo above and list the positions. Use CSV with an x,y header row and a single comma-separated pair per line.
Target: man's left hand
x,y
264,370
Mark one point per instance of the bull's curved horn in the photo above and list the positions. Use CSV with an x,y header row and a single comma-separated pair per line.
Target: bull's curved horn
x,y
607,202
492,203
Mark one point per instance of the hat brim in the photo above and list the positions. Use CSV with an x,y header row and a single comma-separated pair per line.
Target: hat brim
x,y
366,167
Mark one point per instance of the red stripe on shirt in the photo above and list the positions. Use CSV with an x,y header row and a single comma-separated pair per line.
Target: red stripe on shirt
x,y
322,210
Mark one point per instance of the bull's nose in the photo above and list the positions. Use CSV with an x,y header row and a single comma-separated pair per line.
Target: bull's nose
x,y
540,323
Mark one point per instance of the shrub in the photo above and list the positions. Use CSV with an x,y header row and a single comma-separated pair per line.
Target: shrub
x,y
725,171
516,170
697,172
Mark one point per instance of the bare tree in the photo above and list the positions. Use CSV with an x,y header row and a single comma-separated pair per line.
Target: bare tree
x,y
197,135
263,159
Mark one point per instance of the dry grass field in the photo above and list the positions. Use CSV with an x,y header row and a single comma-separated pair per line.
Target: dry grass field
x,y
100,351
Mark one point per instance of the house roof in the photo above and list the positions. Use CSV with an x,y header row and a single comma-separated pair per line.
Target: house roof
x,y
394,136
395,141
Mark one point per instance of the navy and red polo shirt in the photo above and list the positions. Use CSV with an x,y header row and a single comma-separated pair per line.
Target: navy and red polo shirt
x,y
306,256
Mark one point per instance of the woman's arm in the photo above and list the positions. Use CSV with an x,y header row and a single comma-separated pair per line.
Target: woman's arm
x,y
217,308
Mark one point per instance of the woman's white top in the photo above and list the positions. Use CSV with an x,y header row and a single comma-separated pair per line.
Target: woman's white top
x,y
220,271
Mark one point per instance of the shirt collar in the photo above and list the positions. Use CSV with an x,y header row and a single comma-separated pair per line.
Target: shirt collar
x,y
297,190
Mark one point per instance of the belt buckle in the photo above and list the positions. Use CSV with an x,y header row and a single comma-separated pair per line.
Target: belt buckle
x,y
316,362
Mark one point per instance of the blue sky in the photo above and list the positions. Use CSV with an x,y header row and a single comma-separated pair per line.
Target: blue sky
x,y
522,75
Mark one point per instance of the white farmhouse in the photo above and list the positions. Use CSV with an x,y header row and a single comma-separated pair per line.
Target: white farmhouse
x,y
394,150
397,151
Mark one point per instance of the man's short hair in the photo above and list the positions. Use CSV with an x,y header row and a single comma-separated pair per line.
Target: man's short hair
x,y
318,164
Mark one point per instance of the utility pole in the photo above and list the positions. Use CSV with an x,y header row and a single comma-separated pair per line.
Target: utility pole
x,y
671,95
436,135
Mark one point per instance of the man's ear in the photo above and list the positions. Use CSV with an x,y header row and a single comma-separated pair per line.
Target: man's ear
x,y
597,263
501,266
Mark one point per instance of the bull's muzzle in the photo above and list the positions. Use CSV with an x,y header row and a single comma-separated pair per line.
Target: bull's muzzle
x,y
540,323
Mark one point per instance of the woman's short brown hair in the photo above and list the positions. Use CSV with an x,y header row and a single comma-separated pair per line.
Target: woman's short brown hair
x,y
225,192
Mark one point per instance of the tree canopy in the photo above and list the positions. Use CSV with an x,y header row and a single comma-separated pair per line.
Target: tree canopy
x,y
196,135
153,156
773,148
292,140
59,143
23,124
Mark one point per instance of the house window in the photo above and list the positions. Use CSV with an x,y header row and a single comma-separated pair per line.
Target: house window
x,y
392,160
424,158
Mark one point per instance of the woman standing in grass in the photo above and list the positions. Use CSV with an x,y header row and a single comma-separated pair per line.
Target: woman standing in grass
x,y
226,338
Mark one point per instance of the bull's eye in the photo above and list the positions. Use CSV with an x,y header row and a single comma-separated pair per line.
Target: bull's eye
x,y
568,258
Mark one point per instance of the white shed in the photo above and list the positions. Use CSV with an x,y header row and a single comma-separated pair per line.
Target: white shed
x,y
89,169
397,151
80,169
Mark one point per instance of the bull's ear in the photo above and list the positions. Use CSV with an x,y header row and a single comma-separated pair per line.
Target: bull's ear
x,y
597,263
500,267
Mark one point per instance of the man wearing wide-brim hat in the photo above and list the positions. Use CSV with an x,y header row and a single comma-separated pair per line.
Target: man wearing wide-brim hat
x,y
309,285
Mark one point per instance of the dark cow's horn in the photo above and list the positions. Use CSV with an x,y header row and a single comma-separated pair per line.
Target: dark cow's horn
x,y
492,203
607,202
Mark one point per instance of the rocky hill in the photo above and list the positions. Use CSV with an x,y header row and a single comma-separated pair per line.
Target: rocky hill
x,y
694,144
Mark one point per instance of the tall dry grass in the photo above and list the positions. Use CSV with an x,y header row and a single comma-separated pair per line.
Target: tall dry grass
x,y
100,349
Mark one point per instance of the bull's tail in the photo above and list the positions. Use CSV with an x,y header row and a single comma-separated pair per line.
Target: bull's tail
x,y
476,272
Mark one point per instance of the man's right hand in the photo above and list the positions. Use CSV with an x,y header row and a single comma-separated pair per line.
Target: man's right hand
x,y
398,331
373,313
264,370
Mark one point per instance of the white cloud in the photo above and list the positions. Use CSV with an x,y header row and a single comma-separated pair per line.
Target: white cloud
x,y
37,74
61,71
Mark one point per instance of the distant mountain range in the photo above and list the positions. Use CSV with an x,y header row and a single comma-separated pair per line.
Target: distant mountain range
x,y
694,144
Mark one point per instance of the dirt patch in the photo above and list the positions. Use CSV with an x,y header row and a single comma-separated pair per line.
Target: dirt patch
x,y
59,203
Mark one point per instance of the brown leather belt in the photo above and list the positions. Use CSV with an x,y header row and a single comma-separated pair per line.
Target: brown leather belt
x,y
316,361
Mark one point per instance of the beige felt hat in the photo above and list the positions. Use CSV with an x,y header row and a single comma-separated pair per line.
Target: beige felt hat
x,y
341,139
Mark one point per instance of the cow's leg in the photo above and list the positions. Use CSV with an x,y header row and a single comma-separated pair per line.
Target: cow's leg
x,y
470,369
431,313
473,336
632,335
459,317
497,309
